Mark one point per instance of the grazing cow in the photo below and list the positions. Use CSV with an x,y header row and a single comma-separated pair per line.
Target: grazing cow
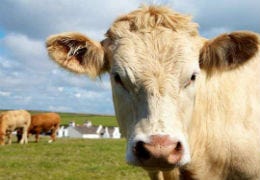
x,y
12,120
182,101
44,122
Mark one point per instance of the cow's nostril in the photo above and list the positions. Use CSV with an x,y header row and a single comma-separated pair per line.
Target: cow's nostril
x,y
178,146
140,151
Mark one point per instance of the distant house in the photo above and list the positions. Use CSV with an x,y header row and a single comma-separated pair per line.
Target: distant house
x,y
87,130
112,132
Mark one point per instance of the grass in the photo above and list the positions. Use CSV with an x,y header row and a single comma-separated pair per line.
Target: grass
x,y
95,119
68,159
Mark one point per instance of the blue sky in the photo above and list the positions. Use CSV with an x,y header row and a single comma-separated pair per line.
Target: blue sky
x,y
29,80
2,34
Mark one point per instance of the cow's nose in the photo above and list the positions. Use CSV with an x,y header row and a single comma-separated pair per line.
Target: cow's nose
x,y
159,151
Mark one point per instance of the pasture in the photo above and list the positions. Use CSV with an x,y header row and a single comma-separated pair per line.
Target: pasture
x,y
67,159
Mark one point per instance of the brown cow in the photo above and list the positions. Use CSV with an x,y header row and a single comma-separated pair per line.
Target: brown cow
x,y
44,122
181,100
12,120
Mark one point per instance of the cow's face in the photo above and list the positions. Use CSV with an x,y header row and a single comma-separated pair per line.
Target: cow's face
x,y
152,56
153,81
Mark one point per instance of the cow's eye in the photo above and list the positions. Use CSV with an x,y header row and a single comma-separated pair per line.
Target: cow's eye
x,y
118,79
193,77
191,80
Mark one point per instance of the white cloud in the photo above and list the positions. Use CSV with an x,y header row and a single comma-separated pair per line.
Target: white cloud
x,y
22,99
106,85
77,95
26,50
60,109
4,63
215,31
3,93
21,44
60,89
54,71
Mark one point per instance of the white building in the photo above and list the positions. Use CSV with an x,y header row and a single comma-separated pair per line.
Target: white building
x,y
87,130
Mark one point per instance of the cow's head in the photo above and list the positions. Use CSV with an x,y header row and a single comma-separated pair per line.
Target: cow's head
x,y
152,56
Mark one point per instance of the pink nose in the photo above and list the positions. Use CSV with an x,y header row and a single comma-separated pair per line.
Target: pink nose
x,y
161,152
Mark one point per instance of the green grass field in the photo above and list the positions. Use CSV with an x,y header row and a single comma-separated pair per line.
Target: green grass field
x,y
68,159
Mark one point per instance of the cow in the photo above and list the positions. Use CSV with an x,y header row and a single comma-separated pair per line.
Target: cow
x,y
44,123
188,106
12,120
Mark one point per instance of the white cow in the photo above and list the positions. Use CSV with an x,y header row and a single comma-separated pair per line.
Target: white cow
x,y
181,100
10,121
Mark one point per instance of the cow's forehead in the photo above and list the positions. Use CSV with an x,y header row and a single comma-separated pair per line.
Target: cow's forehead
x,y
159,47
156,52
147,18
152,33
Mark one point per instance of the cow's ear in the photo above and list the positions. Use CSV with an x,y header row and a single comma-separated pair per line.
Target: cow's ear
x,y
228,51
77,53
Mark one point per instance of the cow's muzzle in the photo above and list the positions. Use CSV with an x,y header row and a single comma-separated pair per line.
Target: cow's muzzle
x,y
160,152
